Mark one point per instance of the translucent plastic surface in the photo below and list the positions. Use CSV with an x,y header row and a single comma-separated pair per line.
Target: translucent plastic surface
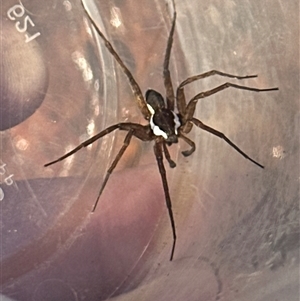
x,y
238,225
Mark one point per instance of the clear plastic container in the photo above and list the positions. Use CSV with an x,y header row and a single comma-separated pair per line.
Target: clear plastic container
x,y
237,225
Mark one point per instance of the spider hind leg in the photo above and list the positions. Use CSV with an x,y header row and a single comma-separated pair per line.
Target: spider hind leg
x,y
204,127
158,151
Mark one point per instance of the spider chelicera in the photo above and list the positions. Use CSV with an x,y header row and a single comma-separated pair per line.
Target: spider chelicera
x,y
165,124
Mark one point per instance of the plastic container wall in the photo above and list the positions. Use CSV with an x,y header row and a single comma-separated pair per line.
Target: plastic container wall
x,y
237,224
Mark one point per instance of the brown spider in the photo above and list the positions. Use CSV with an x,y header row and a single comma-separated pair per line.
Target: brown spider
x,y
165,125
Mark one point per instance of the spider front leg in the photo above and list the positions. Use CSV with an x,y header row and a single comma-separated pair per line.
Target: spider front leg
x,y
139,98
166,74
158,151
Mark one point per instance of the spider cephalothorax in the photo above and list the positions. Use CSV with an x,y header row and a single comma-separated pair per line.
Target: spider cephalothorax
x,y
165,126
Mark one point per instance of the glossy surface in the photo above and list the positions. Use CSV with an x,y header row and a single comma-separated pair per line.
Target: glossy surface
x,y
238,225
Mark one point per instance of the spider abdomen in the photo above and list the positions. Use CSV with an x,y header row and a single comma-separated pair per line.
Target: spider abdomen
x,y
163,122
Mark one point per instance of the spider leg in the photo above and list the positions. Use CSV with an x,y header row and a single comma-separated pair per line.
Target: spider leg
x,y
134,129
181,102
168,157
190,109
159,157
190,143
211,73
85,143
166,74
222,136
140,132
113,165
134,85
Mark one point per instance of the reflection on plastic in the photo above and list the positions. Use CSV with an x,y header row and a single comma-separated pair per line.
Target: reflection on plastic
x,y
238,226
